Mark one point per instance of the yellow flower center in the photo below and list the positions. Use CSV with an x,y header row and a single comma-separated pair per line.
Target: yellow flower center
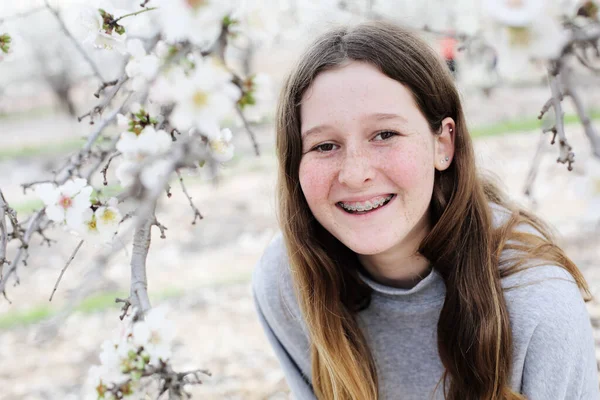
x,y
91,224
65,202
218,146
200,99
108,216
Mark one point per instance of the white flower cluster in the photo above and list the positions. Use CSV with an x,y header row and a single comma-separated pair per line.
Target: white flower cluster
x,y
139,142
129,357
70,205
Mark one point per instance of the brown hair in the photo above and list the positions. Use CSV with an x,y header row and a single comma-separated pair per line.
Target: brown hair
x,y
474,334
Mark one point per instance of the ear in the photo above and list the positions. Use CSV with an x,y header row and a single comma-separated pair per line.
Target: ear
x,y
444,144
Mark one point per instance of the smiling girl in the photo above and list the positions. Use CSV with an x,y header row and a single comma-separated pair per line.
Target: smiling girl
x,y
401,272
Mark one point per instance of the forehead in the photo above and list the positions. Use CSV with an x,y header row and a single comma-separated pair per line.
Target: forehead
x,y
352,92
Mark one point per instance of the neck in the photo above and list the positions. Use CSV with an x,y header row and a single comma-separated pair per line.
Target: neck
x,y
401,266
387,272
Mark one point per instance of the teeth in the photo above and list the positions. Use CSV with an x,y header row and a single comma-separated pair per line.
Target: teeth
x,y
367,206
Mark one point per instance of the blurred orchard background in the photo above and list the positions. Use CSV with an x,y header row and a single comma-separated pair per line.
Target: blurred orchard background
x,y
201,272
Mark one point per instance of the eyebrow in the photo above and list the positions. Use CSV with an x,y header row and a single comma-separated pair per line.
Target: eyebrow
x,y
375,117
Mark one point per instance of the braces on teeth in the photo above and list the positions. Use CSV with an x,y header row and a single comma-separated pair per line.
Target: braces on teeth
x,y
367,206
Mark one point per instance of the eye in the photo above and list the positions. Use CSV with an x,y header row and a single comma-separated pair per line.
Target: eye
x,y
325,147
385,135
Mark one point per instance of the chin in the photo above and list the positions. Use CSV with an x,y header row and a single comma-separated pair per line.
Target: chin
x,y
367,247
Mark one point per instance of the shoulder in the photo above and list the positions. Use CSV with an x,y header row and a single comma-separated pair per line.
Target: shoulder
x,y
545,304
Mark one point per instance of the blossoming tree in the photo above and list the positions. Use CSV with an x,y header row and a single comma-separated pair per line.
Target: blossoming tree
x,y
172,95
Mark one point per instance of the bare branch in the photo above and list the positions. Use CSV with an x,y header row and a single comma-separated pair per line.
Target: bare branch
x,y
589,128
77,160
33,225
161,227
566,156
98,109
103,86
141,245
249,130
65,268
105,169
125,308
197,214
75,42
3,233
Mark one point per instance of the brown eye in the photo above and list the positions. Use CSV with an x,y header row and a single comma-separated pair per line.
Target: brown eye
x,y
385,135
325,147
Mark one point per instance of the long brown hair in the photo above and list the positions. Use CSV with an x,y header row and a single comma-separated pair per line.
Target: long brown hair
x,y
464,245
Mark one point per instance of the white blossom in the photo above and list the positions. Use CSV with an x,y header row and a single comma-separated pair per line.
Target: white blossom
x,y
221,147
204,98
126,171
148,142
142,66
107,219
155,173
155,333
96,31
65,204
198,21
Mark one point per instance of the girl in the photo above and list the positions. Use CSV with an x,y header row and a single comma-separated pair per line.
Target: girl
x,y
401,273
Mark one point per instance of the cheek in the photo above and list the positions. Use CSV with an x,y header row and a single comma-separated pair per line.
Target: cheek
x,y
412,167
315,180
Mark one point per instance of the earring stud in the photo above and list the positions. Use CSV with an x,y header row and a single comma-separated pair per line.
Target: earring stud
x,y
445,159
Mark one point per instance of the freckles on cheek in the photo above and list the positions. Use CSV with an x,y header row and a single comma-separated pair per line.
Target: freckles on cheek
x,y
315,181
409,171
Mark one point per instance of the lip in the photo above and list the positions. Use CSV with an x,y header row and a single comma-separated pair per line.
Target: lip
x,y
367,215
362,198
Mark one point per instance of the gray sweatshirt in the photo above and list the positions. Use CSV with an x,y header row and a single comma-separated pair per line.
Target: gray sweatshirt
x,y
553,344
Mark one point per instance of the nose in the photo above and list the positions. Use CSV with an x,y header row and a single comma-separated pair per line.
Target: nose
x,y
356,169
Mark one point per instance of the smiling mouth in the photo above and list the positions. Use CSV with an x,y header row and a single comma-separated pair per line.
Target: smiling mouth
x,y
365,208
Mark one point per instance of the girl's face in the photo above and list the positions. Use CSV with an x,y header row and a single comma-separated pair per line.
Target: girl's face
x,y
369,158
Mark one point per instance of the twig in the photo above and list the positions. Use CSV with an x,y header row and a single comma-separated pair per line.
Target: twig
x,y
30,184
105,169
144,3
75,42
533,170
589,128
34,223
161,227
133,14
125,308
65,268
566,156
197,214
3,233
78,158
98,109
249,130
103,86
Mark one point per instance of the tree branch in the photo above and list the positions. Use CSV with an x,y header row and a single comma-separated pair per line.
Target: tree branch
x,y
33,225
75,42
197,214
3,233
139,282
65,268
249,130
566,156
